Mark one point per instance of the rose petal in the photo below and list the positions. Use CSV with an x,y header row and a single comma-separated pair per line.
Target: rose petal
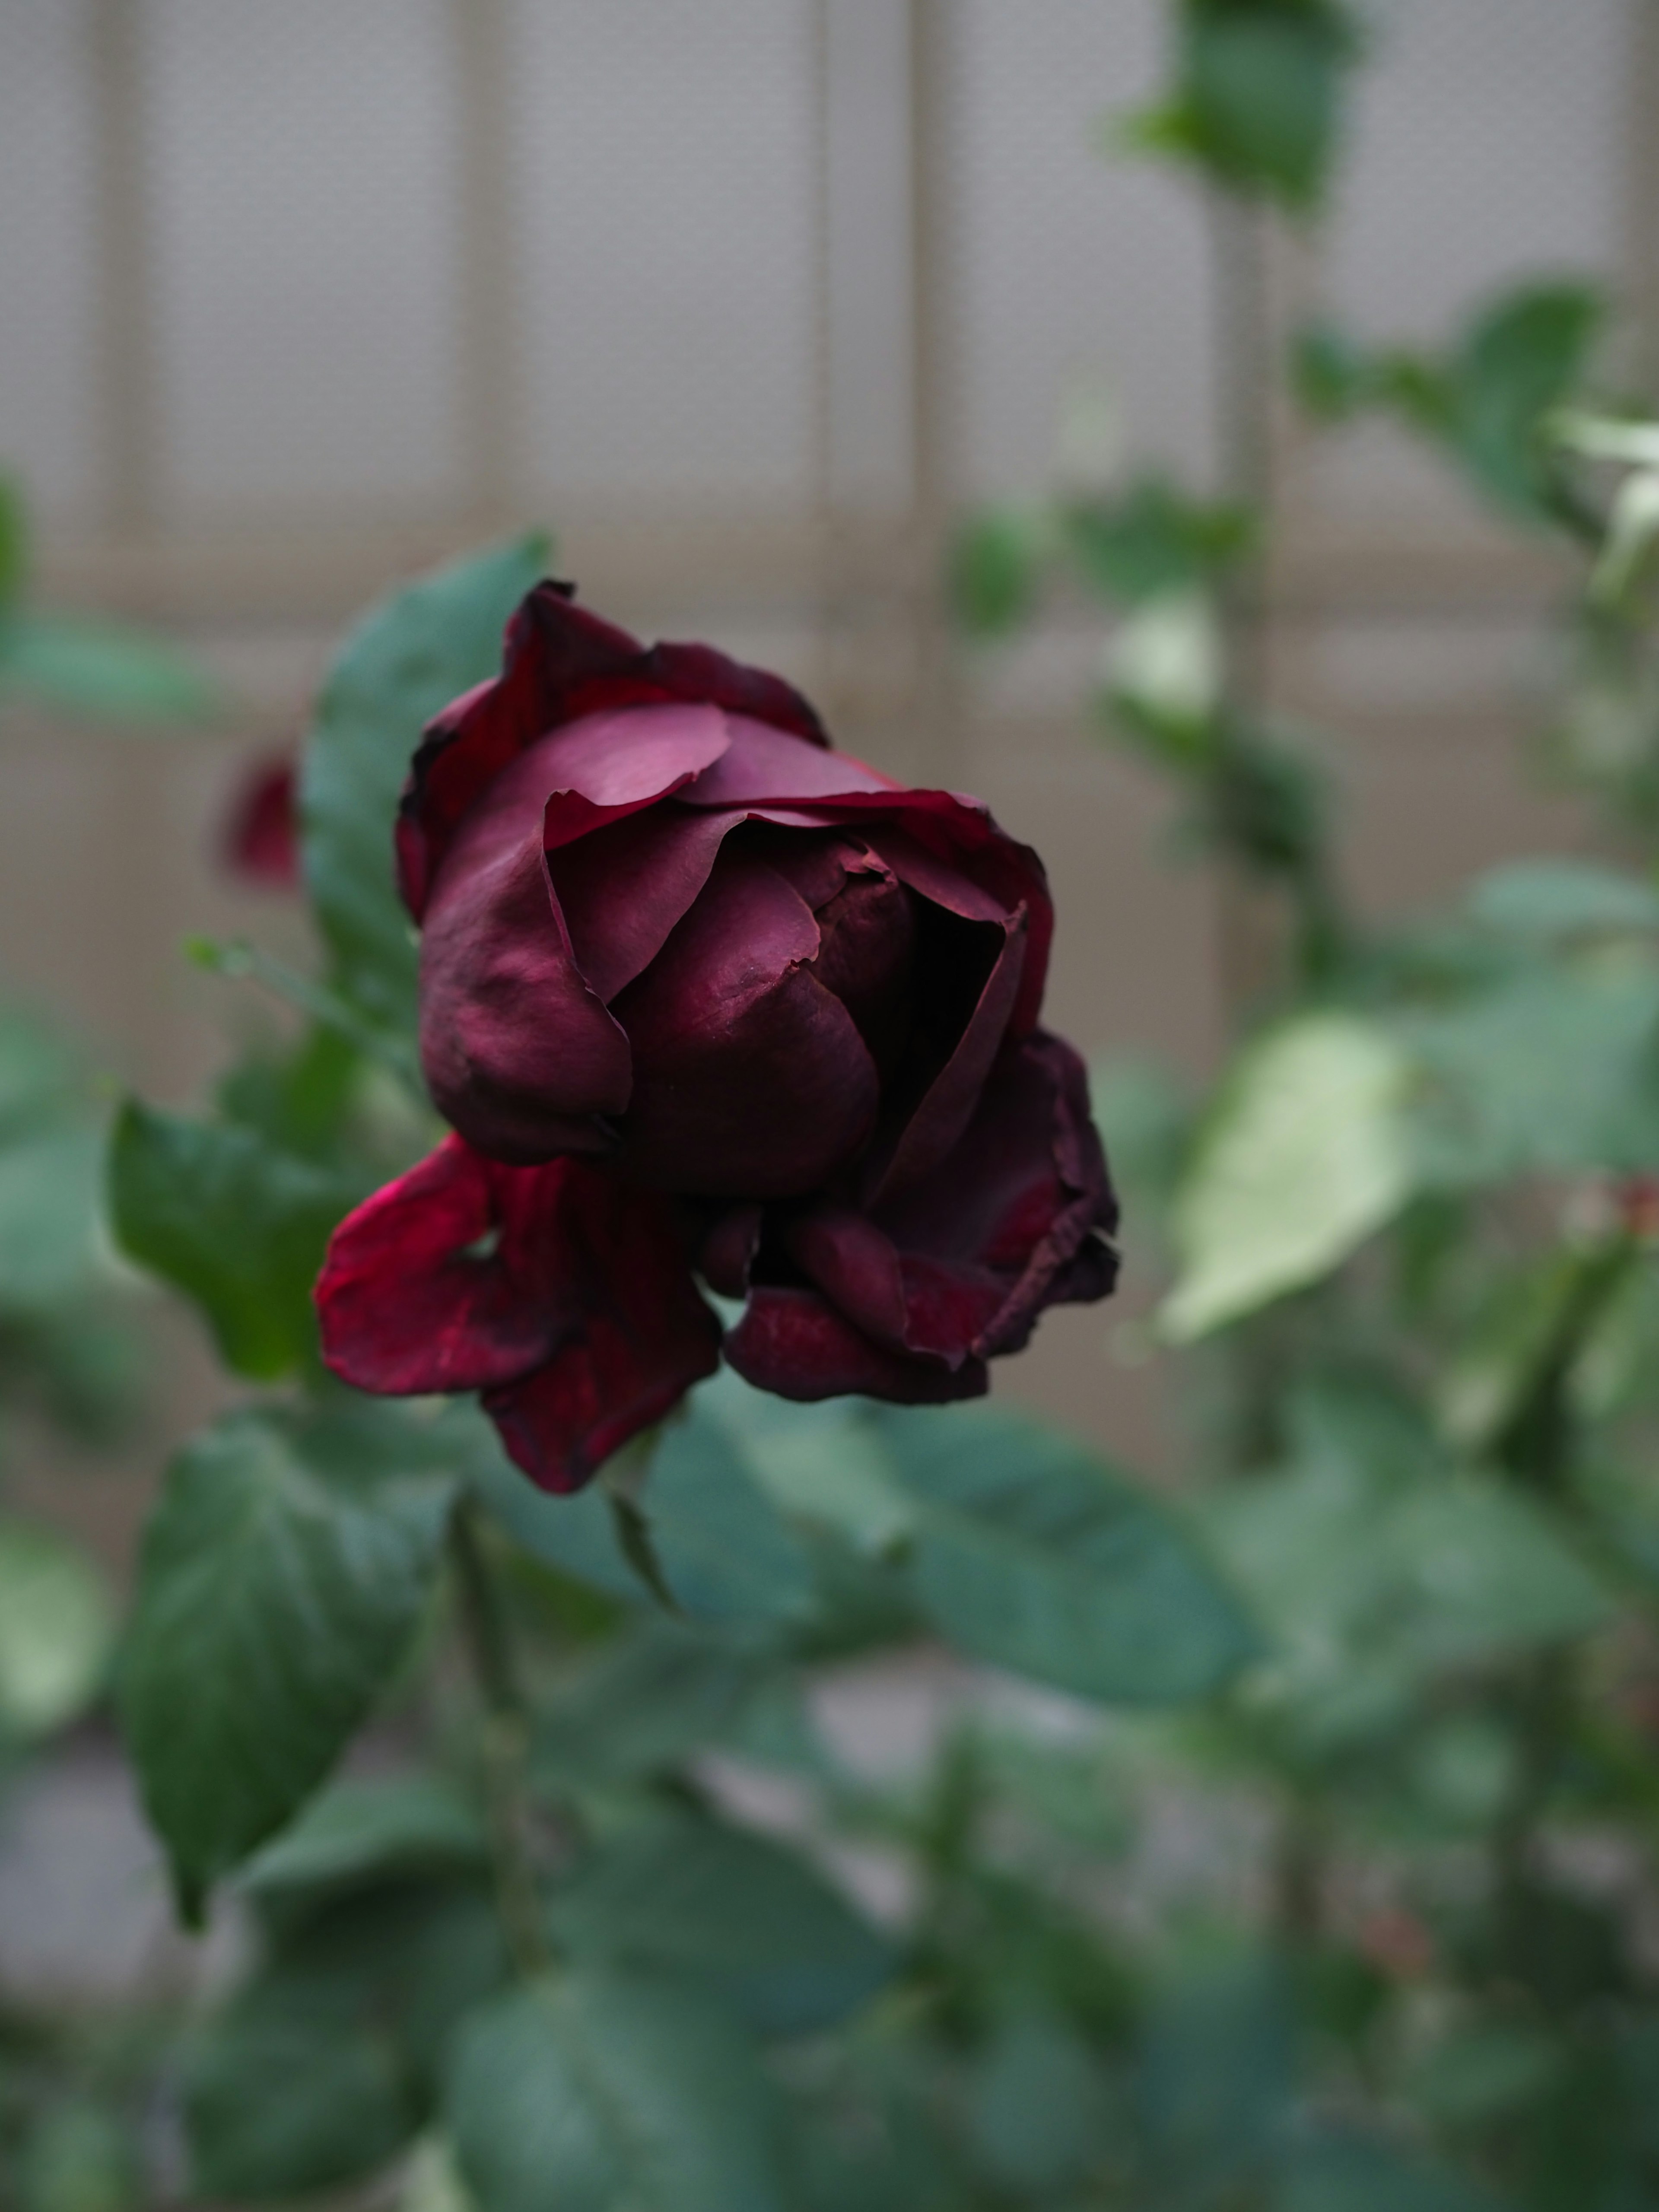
x,y
947,1105
563,1294
762,764
794,1344
959,1266
517,1051
749,1078
560,664
1024,1197
409,1301
622,889
644,1336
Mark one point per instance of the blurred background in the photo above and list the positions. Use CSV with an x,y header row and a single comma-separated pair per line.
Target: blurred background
x,y
749,303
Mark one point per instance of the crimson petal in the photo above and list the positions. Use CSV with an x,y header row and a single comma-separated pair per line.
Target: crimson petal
x,y
564,1295
795,1344
561,663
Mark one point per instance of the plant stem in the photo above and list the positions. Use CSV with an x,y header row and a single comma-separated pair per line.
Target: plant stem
x,y
503,1747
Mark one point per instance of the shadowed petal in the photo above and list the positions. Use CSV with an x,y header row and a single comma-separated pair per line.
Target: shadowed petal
x,y
796,1345
749,1078
623,889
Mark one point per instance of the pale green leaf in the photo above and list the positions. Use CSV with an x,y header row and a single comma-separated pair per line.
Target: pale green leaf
x,y
1305,1155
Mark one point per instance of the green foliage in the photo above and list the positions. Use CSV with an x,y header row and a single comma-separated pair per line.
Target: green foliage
x,y
738,1915
1029,1554
1256,97
236,1223
410,656
283,1578
600,2089
57,1630
1489,402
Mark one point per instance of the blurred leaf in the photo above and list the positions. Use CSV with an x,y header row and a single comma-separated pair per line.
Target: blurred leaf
x,y
48,1214
1633,530
725,1551
1331,377
1554,1066
77,2157
13,543
1520,358
602,2090
74,665
294,2091
1218,2071
1348,2172
328,2062
408,657
1155,542
364,1831
996,569
1029,1554
821,1463
1037,2106
433,2182
57,1629
1477,2073
1257,95
642,1702
237,1226
94,670
280,1580
1304,1157
743,1917
1546,902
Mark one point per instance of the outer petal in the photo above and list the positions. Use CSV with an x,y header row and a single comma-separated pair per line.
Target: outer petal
x,y
959,1265
564,1295
644,1336
411,1297
561,663
794,1343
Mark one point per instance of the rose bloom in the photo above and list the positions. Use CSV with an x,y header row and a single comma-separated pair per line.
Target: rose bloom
x,y
702,998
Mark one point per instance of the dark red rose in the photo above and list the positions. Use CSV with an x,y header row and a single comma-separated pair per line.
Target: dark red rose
x,y
702,997
260,840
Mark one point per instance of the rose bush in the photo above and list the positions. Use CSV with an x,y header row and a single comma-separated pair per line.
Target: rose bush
x,y
701,997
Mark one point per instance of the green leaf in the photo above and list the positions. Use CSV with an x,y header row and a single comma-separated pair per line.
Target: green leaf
x,y
408,657
1547,903
1520,359
57,1629
1217,2068
1038,2110
360,1831
237,1226
48,1215
1029,1554
724,1550
1257,99
13,543
329,2060
739,1915
821,1464
996,567
602,2090
1348,2172
1305,1155
643,1701
101,670
280,1580
1154,541
1555,1065
294,2091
